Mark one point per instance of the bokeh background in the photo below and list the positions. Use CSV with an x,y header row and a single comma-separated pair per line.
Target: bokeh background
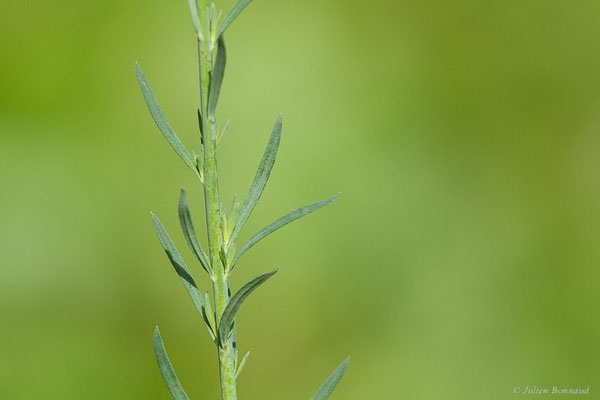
x,y
460,262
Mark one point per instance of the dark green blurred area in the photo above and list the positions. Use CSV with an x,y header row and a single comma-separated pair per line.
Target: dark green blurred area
x,y
460,261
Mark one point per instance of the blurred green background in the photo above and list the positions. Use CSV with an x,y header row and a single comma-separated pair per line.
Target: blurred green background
x,y
461,260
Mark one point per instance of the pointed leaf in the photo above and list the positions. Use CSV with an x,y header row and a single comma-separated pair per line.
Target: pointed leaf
x,y
209,313
217,76
260,179
201,127
206,320
233,333
223,132
166,369
241,367
237,8
178,263
195,18
161,121
223,257
189,232
331,382
226,322
286,219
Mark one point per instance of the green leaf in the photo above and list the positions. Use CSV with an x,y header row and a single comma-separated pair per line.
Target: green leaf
x,y
161,121
206,320
189,232
331,382
223,257
178,263
226,322
223,132
200,125
241,367
195,18
260,179
166,369
237,8
217,76
286,219
209,313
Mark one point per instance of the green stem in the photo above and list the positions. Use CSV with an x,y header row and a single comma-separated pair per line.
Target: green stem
x,y
226,350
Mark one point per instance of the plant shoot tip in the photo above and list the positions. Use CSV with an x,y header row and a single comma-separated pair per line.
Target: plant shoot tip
x,y
222,227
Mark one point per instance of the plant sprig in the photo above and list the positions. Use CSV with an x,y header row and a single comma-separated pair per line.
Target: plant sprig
x,y
223,229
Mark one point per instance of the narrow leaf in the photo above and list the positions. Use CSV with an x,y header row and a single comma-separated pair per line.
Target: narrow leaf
x,y
195,18
241,367
210,313
189,232
286,219
237,8
206,320
260,179
233,333
200,125
178,263
331,382
226,322
223,257
166,368
217,76
223,132
161,121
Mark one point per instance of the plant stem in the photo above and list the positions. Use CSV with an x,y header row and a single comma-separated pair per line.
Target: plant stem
x,y
226,348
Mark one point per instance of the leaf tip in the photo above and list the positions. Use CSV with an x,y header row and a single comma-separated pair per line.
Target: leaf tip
x,y
138,69
155,221
343,365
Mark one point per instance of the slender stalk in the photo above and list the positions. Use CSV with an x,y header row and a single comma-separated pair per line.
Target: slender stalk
x,y
226,351
222,229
